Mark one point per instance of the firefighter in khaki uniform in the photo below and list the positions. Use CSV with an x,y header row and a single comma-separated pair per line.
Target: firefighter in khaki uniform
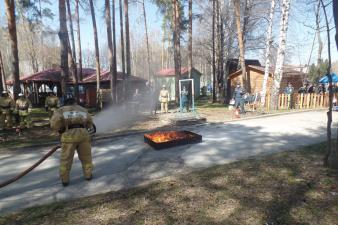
x,y
23,107
73,121
7,106
51,104
164,99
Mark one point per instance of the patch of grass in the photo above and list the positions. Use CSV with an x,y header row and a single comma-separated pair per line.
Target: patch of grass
x,y
11,140
284,188
207,103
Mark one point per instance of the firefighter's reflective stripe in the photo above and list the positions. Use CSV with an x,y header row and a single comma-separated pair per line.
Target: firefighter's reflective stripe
x,y
74,115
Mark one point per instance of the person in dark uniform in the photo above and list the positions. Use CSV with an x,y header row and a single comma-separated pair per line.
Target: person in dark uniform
x,y
238,96
185,101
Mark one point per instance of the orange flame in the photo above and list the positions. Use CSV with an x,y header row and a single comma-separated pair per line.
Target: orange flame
x,y
165,136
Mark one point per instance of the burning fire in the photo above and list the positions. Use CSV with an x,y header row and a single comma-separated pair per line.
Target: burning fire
x,y
165,136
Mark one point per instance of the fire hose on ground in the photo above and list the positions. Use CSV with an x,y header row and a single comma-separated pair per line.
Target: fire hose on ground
x,y
91,131
19,176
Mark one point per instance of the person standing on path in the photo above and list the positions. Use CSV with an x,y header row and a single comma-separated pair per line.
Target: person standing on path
x,y
72,122
238,96
7,106
164,99
23,107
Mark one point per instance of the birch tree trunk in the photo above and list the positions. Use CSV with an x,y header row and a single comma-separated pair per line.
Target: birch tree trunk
x,y
147,39
126,15
237,5
278,74
331,157
320,43
77,17
10,13
335,15
97,53
63,35
269,41
190,39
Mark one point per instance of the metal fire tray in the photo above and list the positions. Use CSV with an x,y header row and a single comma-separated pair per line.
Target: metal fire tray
x,y
173,138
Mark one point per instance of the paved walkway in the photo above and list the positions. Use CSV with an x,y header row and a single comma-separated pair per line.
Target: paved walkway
x,y
126,161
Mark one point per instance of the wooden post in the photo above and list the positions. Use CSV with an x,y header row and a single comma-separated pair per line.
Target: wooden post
x,y
314,100
321,100
268,101
301,100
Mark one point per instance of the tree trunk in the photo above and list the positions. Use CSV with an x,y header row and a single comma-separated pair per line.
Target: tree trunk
x,y
72,52
110,48
170,42
127,37
41,36
2,71
278,74
213,52
268,45
2,83
190,39
97,53
63,35
221,53
320,43
331,157
246,84
73,71
218,51
114,78
10,13
123,58
177,46
162,49
77,15
247,11
147,40
335,15
71,30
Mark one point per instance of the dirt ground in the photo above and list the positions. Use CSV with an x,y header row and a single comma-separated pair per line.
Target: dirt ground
x,y
285,188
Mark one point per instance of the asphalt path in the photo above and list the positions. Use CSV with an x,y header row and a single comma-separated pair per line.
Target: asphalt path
x,y
126,161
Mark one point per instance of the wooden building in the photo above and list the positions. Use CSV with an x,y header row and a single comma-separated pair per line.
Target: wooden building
x,y
255,76
131,83
167,77
36,85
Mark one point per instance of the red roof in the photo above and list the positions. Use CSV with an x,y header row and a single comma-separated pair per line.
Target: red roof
x,y
50,75
105,76
171,72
